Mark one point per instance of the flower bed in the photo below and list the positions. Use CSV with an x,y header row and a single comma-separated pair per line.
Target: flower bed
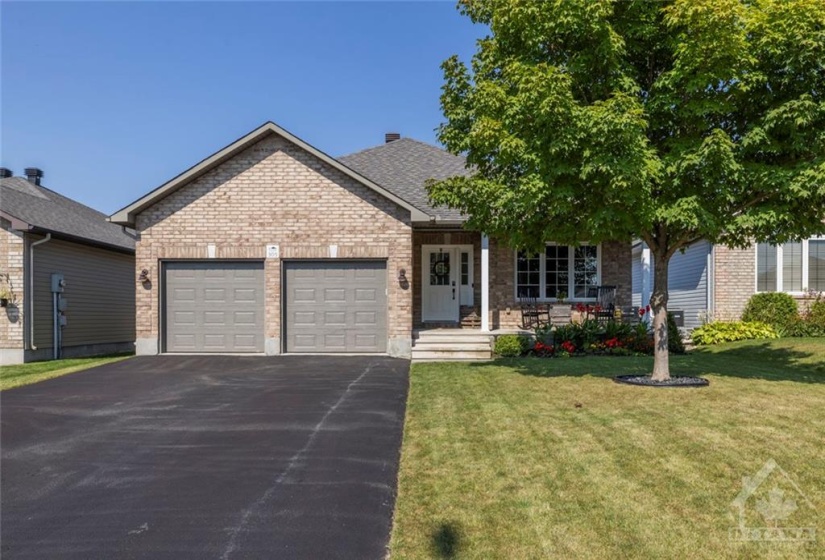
x,y
588,337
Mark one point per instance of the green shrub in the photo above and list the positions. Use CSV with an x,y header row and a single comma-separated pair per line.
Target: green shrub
x,y
815,315
674,337
511,345
802,327
617,329
777,309
718,332
544,333
563,333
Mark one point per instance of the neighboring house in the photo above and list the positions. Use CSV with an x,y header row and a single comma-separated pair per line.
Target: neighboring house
x,y
713,282
272,246
44,234
688,281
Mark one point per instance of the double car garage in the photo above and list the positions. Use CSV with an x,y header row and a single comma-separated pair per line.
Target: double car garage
x,y
328,306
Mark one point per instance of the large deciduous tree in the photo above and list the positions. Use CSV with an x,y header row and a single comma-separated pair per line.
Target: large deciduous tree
x,y
664,121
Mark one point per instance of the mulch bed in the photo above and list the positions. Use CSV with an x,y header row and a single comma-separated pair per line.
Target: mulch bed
x,y
647,381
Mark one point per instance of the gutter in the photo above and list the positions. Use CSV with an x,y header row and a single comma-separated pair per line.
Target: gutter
x,y
31,288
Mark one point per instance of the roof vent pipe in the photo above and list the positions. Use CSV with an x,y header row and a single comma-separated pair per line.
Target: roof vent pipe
x,y
391,137
34,175
5,173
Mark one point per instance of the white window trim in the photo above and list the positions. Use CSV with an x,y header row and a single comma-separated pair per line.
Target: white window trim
x,y
779,267
543,275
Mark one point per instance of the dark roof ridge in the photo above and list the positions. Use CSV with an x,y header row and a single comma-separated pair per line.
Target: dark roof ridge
x,y
402,139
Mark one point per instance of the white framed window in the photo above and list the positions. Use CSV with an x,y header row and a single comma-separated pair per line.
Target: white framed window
x,y
791,267
573,270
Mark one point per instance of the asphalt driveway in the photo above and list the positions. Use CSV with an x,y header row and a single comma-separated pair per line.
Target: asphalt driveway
x,y
204,457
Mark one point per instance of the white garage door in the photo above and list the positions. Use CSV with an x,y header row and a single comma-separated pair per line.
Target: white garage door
x,y
214,306
335,306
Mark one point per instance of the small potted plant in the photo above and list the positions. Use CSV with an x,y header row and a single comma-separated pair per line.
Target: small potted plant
x,y
561,297
4,297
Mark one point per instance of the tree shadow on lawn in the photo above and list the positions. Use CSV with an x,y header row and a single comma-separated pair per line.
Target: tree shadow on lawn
x,y
754,361
446,540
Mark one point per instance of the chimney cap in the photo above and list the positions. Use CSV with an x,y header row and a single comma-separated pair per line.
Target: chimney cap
x,y
5,173
391,137
33,174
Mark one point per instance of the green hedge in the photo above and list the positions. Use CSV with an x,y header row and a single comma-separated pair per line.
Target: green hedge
x,y
719,332
511,345
776,309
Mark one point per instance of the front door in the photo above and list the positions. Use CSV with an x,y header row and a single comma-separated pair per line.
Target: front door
x,y
440,293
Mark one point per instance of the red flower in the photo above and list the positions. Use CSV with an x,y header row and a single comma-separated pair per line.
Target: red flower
x,y
568,346
613,343
647,309
641,312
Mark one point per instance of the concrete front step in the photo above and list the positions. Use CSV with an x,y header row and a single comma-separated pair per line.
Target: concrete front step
x,y
451,345
446,356
447,346
452,338
469,360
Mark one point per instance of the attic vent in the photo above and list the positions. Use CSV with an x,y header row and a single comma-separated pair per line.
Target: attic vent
x,y
34,175
5,173
391,137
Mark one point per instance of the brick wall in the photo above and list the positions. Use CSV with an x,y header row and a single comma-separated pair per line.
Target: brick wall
x,y
12,250
735,281
275,192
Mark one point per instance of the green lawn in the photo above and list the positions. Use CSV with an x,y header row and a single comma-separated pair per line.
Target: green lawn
x,y
532,458
26,374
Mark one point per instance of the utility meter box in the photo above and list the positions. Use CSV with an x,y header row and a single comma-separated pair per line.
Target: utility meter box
x,y
58,283
62,304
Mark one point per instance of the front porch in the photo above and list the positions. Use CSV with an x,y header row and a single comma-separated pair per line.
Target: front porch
x,y
465,288
466,281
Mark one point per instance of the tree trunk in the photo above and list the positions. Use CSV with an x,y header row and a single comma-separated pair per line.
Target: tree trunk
x,y
658,305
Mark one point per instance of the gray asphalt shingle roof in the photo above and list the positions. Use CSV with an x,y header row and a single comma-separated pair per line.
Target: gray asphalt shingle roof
x,y
48,210
403,167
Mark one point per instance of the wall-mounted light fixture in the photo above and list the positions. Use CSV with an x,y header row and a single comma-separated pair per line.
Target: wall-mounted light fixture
x,y
144,276
402,275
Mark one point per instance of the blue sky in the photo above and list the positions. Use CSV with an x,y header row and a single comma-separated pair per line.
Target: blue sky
x,y
111,99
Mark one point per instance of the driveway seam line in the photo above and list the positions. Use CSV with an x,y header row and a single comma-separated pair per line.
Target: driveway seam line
x,y
293,461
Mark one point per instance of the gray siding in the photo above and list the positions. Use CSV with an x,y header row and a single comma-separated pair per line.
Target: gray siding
x,y
100,290
687,282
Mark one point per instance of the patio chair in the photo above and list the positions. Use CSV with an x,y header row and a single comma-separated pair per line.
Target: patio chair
x,y
605,303
533,313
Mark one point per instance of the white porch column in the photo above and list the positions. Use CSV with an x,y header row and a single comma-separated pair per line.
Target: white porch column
x,y
646,278
485,282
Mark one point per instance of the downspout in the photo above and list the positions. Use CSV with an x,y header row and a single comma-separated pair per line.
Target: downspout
x,y
711,290
31,288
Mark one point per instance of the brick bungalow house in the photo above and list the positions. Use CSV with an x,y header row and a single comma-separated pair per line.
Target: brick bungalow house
x,y
272,246
46,236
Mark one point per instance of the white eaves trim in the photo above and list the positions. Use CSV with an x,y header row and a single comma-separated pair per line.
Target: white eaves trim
x,y
126,216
